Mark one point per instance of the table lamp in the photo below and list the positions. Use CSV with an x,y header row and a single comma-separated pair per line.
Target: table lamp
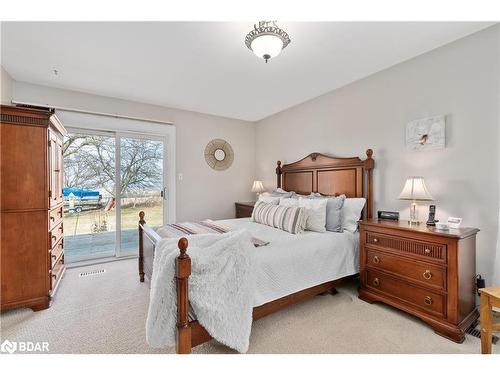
x,y
415,190
258,188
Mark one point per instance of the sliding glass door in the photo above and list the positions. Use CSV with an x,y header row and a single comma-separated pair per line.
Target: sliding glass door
x,y
142,187
109,178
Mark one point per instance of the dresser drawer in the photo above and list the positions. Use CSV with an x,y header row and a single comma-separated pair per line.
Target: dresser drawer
x,y
421,298
55,216
56,252
56,234
56,273
406,246
425,273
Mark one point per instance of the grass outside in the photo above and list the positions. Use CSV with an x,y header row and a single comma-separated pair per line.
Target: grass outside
x,y
83,222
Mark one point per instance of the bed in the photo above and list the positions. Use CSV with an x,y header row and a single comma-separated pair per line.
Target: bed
x,y
323,260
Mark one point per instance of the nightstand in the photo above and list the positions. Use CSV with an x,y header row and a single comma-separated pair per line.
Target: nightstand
x,y
421,270
244,209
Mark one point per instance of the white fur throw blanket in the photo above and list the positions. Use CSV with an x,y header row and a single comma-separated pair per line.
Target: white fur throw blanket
x,y
221,289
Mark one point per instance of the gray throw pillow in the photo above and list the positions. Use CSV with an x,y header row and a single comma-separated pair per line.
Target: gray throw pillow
x,y
282,194
333,211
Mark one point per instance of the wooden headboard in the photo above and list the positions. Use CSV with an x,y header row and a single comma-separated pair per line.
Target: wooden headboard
x,y
329,175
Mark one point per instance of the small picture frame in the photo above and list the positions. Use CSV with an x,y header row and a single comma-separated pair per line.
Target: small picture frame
x,y
426,133
454,222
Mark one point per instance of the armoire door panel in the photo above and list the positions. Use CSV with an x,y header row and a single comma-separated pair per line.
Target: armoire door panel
x,y
24,262
23,179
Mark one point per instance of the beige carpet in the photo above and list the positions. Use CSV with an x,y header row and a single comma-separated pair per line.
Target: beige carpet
x,y
106,314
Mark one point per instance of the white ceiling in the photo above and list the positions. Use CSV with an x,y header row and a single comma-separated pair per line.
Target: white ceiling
x,y
206,67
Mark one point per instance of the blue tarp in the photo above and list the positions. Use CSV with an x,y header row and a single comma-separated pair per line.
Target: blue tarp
x,y
80,193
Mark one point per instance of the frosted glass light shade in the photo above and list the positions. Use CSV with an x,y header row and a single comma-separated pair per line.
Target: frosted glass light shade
x,y
415,190
258,187
267,46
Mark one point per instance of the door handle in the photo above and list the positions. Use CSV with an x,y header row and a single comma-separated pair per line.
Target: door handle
x,y
163,193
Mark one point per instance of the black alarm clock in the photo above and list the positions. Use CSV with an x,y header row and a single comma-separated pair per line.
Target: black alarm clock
x,y
388,215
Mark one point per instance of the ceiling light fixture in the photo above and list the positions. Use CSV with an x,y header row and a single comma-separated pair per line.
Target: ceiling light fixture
x,y
267,40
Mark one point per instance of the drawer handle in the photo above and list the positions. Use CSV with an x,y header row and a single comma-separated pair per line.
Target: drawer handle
x,y
376,259
376,282
54,238
428,300
427,251
52,218
54,257
375,240
427,275
54,276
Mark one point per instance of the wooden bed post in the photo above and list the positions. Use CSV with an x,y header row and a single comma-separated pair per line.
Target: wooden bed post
x,y
141,246
182,272
369,165
278,174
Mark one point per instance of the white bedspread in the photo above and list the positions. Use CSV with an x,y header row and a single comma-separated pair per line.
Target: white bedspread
x,y
221,263
293,262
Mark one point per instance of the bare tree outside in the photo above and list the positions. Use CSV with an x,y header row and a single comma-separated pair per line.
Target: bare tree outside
x,y
89,163
141,166
90,203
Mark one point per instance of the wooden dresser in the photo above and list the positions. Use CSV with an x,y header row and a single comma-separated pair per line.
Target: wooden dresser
x,y
423,271
244,209
31,158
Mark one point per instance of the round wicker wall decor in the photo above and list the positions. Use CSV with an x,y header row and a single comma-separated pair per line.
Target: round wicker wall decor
x,y
219,154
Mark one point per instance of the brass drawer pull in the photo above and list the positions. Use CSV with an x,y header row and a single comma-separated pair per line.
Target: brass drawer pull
x,y
376,282
54,238
376,259
428,300
54,257
375,240
54,276
427,275
427,251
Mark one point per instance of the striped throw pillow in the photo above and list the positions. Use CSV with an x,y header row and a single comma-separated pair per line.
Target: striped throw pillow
x,y
290,219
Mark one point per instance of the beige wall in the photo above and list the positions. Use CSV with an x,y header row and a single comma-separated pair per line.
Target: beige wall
x,y
203,192
5,86
459,80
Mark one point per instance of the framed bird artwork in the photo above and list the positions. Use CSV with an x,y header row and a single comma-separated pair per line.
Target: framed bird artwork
x,y
426,134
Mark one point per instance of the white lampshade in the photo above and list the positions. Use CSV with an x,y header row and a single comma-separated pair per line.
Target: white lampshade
x,y
415,189
258,187
267,46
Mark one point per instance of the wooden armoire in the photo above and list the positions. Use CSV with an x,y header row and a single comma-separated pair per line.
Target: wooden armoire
x,y
31,205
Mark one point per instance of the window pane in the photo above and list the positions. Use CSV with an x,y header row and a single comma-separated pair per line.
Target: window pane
x,y
141,172
89,191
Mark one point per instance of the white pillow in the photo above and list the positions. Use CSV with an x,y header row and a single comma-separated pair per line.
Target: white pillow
x,y
289,202
280,190
315,212
351,213
269,199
